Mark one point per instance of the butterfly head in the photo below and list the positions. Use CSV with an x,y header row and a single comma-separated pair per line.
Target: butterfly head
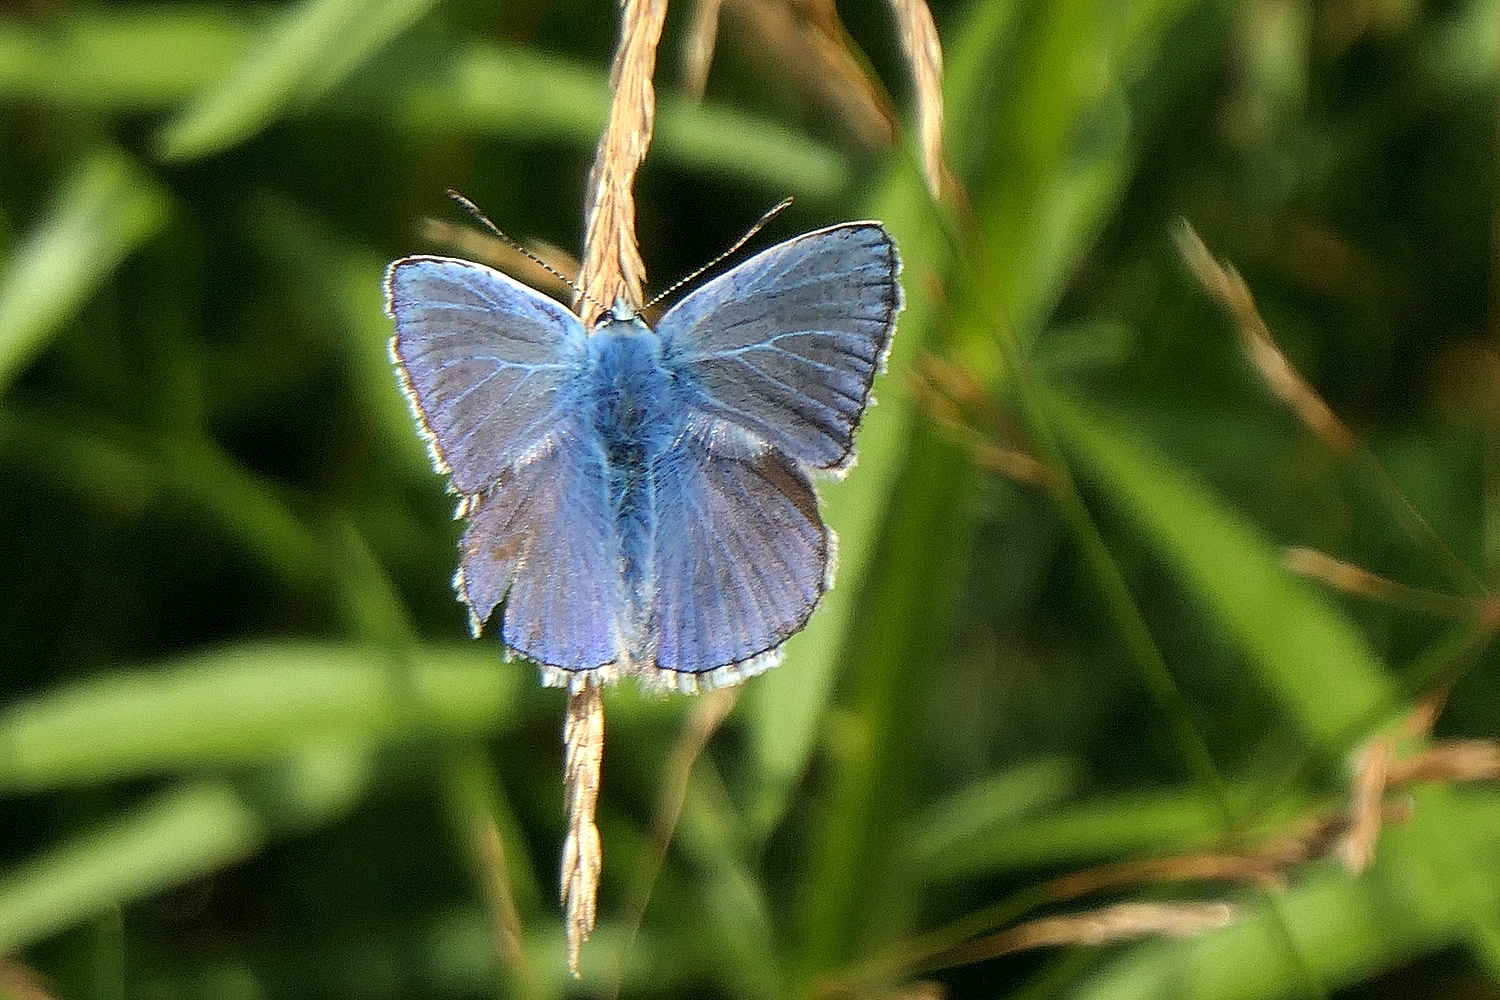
x,y
623,312
622,318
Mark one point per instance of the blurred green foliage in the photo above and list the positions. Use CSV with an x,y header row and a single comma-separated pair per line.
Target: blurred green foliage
x,y
246,747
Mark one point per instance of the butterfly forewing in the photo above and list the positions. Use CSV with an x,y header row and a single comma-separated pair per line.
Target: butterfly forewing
x,y
483,358
494,370
786,345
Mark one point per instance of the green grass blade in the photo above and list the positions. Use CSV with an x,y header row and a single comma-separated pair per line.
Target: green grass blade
x,y
1063,203
904,616
130,59
947,835
263,700
1071,187
106,208
785,708
1100,829
315,46
710,834
1306,652
180,835
149,59
511,92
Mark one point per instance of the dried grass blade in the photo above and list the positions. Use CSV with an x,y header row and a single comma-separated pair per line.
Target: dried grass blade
x,y
698,51
809,40
924,50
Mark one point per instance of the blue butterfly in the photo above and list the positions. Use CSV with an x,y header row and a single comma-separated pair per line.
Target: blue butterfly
x,y
639,501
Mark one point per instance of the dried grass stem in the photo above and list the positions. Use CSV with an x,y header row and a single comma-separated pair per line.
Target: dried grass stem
x,y
510,941
1107,925
611,270
1360,582
582,856
924,51
1224,283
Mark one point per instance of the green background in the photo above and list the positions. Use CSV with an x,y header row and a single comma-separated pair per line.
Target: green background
x,y
246,745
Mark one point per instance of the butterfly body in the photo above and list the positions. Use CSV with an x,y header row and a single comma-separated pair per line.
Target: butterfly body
x,y
640,501
635,418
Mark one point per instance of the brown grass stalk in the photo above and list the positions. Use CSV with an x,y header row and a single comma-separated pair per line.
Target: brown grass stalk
x,y
809,40
698,49
1424,714
21,982
1372,768
1377,770
1351,579
505,919
1224,283
1450,761
1107,925
611,270
1347,834
1267,864
1261,868
924,51
955,401
583,855
708,712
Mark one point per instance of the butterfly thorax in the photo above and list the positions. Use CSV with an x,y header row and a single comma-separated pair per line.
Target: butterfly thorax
x,y
631,393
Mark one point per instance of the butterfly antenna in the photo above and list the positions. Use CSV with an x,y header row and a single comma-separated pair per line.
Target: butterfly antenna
x,y
484,220
761,224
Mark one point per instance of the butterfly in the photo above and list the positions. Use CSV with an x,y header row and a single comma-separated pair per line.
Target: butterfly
x,y
640,501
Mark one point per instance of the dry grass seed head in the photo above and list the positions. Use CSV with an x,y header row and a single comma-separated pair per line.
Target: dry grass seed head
x,y
1225,284
583,742
612,266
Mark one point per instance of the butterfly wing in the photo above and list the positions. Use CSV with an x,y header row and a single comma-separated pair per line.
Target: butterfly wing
x,y
740,560
483,359
544,541
493,370
786,345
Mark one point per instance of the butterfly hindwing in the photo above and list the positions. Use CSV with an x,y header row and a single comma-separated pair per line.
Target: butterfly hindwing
x,y
740,557
544,541
786,345
483,358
